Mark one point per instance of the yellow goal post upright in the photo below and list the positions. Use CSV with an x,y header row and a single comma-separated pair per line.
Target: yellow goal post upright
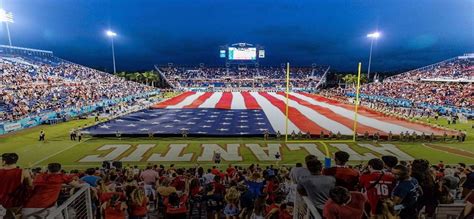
x,y
323,142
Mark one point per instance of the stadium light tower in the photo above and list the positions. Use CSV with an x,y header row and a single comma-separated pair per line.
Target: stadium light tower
x,y
373,36
6,17
111,35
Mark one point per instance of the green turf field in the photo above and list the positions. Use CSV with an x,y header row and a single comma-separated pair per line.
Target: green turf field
x,y
58,148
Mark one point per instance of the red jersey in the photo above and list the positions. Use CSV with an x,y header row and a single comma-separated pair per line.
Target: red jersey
x,y
218,188
139,210
269,208
353,210
114,212
11,180
106,196
345,176
179,183
270,190
195,191
375,192
230,171
46,190
284,214
180,209
216,172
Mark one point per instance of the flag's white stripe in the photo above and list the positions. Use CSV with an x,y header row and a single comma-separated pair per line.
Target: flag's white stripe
x,y
212,100
188,100
238,101
274,115
377,124
317,118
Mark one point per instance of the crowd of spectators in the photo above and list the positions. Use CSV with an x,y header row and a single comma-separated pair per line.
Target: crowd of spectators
x,y
242,77
457,68
382,188
31,87
421,89
434,93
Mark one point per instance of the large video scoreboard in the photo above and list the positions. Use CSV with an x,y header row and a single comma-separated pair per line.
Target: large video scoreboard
x,y
242,52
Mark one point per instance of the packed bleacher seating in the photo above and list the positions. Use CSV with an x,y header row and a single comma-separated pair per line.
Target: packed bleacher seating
x,y
452,69
384,188
33,86
241,77
445,88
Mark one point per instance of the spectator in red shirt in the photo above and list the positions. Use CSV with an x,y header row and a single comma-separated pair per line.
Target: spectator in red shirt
x,y
271,187
345,176
179,180
272,208
47,187
377,184
176,206
230,171
215,171
12,178
286,211
195,188
114,205
218,187
138,204
344,204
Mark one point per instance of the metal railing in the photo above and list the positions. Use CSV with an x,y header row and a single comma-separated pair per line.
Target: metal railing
x,y
78,205
304,208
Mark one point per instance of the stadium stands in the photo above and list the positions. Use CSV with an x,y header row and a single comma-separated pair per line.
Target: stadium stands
x,y
34,85
445,88
242,77
451,69
227,190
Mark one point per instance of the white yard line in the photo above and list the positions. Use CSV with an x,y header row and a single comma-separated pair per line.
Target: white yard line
x,y
58,152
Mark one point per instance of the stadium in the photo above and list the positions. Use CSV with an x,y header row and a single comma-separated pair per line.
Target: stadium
x,y
229,138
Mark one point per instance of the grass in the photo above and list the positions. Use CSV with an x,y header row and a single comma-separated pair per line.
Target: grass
x,y
58,147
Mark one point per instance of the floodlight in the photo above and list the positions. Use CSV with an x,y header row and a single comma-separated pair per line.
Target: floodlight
x,y
374,35
110,33
6,16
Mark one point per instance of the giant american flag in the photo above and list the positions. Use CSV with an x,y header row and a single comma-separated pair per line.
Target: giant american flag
x,y
254,113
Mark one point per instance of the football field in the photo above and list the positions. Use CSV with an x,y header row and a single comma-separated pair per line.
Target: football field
x,y
90,152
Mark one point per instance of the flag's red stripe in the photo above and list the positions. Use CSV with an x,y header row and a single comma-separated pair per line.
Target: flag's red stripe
x,y
225,101
173,101
200,100
250,101
301,121
334,116
380,116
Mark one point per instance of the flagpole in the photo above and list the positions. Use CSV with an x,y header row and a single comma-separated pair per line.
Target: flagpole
x,y
8,33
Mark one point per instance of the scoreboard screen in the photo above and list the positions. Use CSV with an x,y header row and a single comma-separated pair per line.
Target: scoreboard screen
x,y
247,53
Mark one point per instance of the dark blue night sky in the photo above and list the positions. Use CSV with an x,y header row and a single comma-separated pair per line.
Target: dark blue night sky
x,y
415,32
